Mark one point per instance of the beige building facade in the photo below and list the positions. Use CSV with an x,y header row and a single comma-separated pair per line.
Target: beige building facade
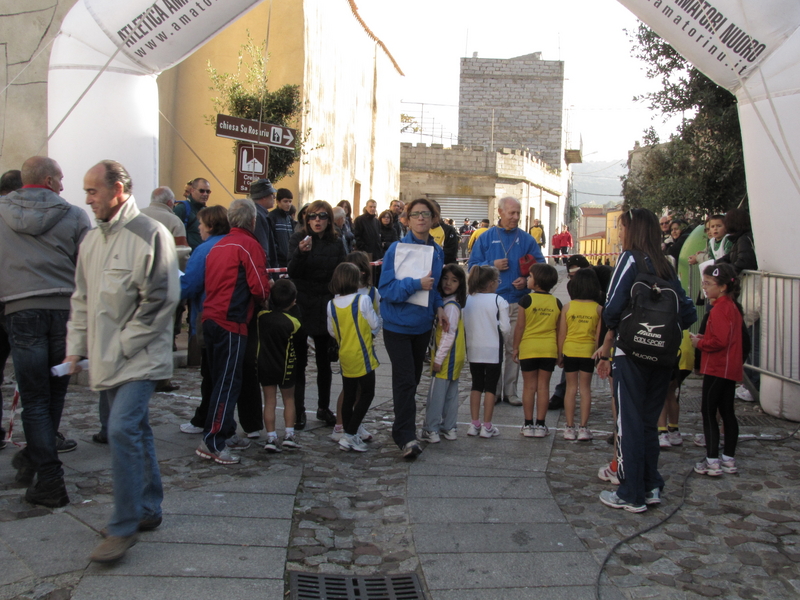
x,y
348,80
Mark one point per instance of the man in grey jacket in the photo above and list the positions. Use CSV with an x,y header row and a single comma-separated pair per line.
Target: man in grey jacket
x,y
39,237
126,290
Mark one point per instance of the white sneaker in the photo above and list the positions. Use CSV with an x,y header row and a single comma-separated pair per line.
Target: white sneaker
x,y
449,434
569,433
675,438
338,432
488,433
365,435
742,393
540,431
352,442
584,434
728,466
473,430
236,443
653,497
663,440
429,436
527,431
606,474
189,428
254,435
699,440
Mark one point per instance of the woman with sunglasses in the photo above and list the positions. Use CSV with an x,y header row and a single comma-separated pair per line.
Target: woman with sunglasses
x,y
407,326
314,253
639,389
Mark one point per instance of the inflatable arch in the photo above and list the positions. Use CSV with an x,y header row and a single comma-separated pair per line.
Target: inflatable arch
x,y
750,47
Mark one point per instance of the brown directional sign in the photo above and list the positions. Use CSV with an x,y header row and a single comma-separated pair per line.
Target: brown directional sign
x,y
251,165
248,130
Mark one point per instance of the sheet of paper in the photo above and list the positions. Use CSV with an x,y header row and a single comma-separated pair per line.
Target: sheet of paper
x,y
415,261
702,266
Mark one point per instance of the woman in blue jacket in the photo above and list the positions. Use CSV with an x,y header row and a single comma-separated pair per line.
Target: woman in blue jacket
x,y
213,226
406,326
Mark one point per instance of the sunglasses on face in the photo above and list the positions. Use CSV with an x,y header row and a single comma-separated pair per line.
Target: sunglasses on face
x,y
203,191
323,216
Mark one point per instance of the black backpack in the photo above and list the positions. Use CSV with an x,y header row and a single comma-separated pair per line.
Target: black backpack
x,y
650,331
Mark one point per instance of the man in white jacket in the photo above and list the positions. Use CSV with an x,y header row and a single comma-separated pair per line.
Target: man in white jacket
x,y
126,290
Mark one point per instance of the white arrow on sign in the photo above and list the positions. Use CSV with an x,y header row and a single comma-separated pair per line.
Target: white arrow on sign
x,y
288,138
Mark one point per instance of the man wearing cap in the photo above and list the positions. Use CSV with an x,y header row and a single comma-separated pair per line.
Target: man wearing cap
x,y
263,194
187,210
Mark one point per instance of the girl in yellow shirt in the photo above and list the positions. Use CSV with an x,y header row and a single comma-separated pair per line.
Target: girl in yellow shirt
x,y
578,333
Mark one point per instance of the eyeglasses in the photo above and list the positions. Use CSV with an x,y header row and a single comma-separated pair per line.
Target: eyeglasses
x,y
420,214
323,216
203,191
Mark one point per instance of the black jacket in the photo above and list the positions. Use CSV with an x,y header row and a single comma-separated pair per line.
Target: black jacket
x,y
388,235
366,229
450,245
743,253
311,273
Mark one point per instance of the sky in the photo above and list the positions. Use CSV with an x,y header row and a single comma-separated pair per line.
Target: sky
x,y
428,37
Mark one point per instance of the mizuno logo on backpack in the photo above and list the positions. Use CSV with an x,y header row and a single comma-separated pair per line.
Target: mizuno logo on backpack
x,y
649,331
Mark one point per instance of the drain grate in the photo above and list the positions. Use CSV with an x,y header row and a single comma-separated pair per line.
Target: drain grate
x,y
315,586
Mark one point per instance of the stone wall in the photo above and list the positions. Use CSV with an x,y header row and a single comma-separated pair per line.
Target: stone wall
x,y
477,172
522,97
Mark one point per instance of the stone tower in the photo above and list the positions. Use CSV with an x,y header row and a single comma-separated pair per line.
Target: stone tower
x,y
513,103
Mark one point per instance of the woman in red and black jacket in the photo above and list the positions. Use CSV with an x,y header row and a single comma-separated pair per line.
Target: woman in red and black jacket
x,y
314,253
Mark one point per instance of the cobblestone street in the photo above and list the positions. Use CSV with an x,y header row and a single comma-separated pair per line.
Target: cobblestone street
x,y
473,518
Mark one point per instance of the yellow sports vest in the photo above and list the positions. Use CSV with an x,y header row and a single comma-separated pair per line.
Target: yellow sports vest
x,y
454,361
582,320
437,233
686,360
354,336
541,324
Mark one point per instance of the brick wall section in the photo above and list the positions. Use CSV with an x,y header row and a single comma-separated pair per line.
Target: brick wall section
x,y
527,95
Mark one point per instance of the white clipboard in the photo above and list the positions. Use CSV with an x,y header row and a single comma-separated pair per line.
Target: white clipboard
x,y
415,261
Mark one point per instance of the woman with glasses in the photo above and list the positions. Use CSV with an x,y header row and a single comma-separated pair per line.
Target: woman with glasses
x,y
407,326
314,252
639,389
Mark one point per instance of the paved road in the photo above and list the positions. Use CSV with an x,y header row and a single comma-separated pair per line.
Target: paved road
x,y
508,517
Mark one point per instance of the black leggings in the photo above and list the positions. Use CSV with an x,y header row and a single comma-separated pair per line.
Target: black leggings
x,y
718,394
324,376
358,394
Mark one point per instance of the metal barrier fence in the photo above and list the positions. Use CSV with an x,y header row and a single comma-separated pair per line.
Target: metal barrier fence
x,y
771,303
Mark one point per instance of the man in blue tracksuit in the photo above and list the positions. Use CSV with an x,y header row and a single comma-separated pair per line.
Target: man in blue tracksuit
x,y
503,246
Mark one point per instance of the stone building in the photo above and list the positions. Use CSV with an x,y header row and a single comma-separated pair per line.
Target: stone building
x,y
513,103
511,143
467,181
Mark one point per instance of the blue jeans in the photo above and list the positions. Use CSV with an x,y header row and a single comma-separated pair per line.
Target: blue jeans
x,y
38,339
137,481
